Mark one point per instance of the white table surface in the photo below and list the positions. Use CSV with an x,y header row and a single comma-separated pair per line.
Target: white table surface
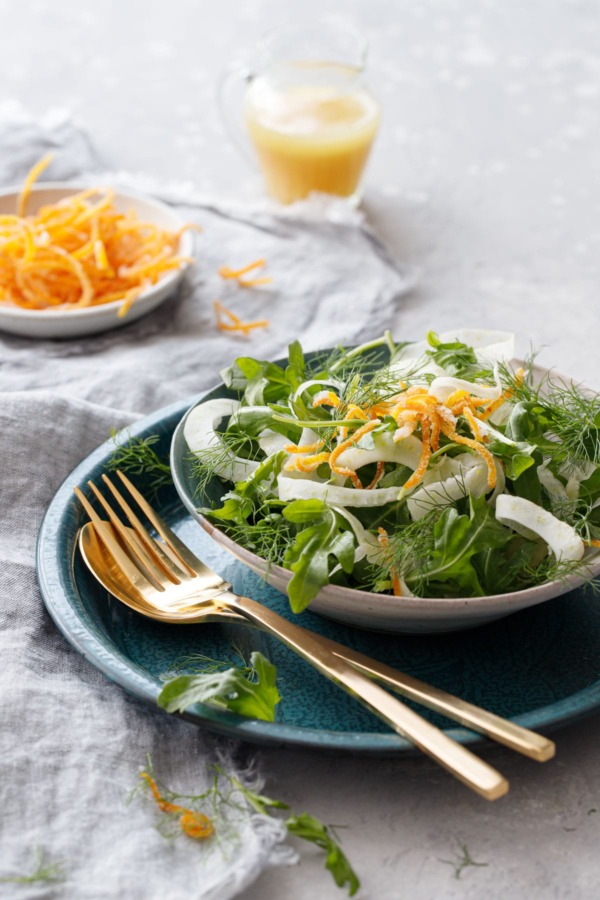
x,y
486,176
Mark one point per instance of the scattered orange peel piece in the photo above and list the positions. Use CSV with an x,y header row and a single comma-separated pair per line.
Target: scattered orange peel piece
x,y
228,321
195,825
238,274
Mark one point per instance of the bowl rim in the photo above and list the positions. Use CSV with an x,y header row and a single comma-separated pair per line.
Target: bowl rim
x,y
508,601
186,248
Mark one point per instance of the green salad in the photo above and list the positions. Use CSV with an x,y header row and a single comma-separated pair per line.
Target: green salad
x,y
430,469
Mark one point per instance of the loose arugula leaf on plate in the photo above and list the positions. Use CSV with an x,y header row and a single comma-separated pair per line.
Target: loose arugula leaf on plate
x,y
247,692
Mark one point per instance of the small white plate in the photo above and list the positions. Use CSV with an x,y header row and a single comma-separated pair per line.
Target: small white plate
x,y
68,323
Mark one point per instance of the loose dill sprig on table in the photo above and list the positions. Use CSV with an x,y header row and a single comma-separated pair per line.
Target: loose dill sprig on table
x,y
462,860
43,873
137,457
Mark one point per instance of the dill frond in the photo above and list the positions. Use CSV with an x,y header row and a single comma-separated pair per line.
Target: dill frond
x,y
137,457
551,569
575,420
43,872
407,552
268,537
207,464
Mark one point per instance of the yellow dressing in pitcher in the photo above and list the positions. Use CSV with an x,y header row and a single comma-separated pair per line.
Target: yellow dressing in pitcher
x,y
312,126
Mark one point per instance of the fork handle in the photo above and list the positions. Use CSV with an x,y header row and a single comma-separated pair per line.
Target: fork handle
x,y
518,738
458,760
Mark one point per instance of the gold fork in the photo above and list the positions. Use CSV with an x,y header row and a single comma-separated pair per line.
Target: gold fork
x,y
164,580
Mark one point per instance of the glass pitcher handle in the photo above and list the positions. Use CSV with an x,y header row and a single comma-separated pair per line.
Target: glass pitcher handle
x,y
232,120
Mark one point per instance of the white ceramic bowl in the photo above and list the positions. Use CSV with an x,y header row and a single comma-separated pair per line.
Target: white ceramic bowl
x,y
61,323
376,612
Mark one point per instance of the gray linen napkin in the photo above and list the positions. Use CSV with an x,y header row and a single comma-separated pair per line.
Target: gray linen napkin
x,y
71,743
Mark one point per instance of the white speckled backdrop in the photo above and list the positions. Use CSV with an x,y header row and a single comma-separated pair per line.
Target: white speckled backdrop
x,y
486,175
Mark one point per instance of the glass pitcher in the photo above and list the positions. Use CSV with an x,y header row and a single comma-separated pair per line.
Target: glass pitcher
x,y
308,113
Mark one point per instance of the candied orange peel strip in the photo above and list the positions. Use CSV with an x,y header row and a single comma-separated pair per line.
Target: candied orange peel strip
x,y
306,448
308,463
411,408
228,321
344,445
326,398
380,469
238,274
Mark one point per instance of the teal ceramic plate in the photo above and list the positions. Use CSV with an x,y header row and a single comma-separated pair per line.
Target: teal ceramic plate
x,y
539,666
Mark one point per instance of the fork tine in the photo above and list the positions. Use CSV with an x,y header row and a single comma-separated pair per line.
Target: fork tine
x,y
132,543
152,547
130,571
191,562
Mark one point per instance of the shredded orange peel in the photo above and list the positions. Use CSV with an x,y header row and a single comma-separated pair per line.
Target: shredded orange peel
x,y
228,321
306,448
81,251
412,408
238,274
195,825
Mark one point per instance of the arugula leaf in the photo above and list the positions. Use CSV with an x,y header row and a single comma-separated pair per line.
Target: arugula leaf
x,y
528,486
263,381
310,829
454,357
246,692
240,504
500,571
235,509
589,488
457,538
517,456
296,370
308,556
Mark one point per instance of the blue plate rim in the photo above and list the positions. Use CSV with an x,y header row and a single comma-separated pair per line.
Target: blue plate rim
x,y
55,587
